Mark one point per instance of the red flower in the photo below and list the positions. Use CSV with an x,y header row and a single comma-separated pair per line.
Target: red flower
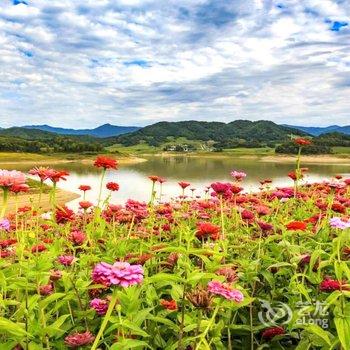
x,y
38,248
112,186
64,214
184,185
169,304
105,162
207,230
19,188
46,289
76,340
84,188
296,225
302,142
85,205
247,215
154,178
57,175
270,333
77,237
339,208
330,285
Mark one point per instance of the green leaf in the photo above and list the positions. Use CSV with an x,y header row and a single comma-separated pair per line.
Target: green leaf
x,y
314,329
15,329
342,325
129,344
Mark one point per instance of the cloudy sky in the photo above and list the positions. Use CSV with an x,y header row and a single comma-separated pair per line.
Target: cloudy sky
x,y
81,63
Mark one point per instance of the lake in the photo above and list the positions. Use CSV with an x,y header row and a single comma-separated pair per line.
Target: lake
x,y
200,172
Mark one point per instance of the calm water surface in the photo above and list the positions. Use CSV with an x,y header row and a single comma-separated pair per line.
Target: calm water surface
x,y
200,172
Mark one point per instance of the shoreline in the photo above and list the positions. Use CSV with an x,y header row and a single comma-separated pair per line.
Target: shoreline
x,y
309,159
50,160
62,197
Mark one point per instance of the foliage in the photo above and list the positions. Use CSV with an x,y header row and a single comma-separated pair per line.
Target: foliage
x,y
241,132
37,141
275,246
292,148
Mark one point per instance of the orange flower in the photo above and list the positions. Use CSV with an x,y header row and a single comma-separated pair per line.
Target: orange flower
x,y
296,225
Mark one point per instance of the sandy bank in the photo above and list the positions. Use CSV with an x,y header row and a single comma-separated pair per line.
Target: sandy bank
x,y
62,197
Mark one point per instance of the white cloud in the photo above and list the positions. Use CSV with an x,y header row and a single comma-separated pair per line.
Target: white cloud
x,y
83,62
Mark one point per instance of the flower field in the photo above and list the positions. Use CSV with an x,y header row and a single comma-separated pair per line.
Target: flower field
x,y
231,270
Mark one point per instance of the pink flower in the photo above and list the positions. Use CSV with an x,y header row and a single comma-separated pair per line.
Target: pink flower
x,y
99,305
10,178
100,274
5,225
76,340
120,273
77,237
66,260
46,289
238,175
225,290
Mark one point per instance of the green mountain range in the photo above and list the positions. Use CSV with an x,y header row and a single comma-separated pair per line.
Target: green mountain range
x,y
243,132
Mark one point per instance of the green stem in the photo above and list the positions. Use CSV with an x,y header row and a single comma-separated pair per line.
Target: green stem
x,y
204,334
4,201
106,319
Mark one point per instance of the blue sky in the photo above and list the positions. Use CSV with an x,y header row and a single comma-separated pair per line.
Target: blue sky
x,y
81,63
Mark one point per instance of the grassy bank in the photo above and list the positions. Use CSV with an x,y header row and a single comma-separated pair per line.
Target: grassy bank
x,y
50,159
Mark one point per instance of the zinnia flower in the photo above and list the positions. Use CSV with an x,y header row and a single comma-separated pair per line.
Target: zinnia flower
x,y
207,230
169,304
184,184
296,225
120,273
66,260
112,186
339,223
99,305
19,188
5,225
270,333
46,289
218,288
84,188
302,142
85,205
330,285
238,175
105,162
76,340
77,237
64,214
10,178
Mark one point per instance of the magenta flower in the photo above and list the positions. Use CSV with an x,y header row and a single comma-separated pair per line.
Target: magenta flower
x,y
66,260
120,273
99,305
4,225
218,288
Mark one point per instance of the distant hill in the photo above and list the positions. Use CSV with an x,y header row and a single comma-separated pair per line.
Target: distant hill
x,y
316,131
244,132
33,140
105,130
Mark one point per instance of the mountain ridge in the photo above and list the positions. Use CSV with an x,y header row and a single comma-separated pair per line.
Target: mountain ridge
x,y
319,130
104,130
